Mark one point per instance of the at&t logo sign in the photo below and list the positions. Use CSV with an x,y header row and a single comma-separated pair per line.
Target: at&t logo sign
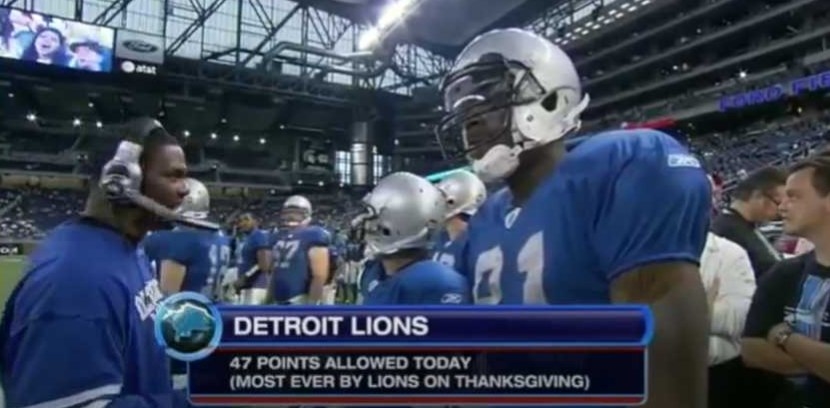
x,y
130,67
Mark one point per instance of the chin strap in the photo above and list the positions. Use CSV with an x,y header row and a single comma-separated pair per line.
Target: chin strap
x,y
498,163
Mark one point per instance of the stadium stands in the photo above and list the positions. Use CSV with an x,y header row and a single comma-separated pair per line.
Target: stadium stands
x,y
27,213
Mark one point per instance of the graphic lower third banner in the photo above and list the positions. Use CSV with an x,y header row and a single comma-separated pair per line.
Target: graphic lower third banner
x,y
420,376
408,356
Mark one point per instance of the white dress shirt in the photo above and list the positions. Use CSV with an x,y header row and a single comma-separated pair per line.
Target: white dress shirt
x,y
727,262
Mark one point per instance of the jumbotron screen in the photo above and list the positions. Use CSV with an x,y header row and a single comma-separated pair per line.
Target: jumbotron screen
x,y
43,39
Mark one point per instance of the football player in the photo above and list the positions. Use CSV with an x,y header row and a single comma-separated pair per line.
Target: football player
x,y
464,193
190,259
403,215
153,244
78,330
621,218
301,256
253,261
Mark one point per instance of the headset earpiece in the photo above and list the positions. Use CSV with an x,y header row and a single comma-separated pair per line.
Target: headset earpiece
x,y
121,177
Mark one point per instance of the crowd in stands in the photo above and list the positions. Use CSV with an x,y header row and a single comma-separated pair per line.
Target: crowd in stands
x,y
28,213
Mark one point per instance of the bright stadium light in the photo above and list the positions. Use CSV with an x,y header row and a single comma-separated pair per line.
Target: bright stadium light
x,y
393,13
98,124
389,17
369,38
235,138
31,117
76,122
213,136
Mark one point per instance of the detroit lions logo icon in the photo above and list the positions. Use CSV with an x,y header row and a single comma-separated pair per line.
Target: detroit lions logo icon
x,y
188,326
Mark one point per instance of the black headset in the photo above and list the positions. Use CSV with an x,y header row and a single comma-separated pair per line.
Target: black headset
x,y
122,180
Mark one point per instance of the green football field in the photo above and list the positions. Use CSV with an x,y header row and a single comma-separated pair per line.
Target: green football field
x,y
10,270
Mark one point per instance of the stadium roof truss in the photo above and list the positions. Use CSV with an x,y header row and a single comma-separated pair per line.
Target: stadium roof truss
x,y
282,46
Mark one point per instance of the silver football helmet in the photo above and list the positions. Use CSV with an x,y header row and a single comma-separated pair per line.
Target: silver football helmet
x,y
403,211
464,193
196,204
296,210
508,91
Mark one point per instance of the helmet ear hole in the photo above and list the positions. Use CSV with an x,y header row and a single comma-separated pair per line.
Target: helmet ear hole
x,y
551,102
386,231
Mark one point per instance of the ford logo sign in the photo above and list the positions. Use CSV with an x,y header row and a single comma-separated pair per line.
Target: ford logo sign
x,y
139,46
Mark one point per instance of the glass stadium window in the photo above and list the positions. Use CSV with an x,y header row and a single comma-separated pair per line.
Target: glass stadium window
x,y
381,167
343,166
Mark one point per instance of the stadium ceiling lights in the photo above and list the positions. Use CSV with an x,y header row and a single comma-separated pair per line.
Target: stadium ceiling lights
x,y
597,22
390,16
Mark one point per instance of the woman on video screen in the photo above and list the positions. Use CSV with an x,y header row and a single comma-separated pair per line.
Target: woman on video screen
x,y
48,47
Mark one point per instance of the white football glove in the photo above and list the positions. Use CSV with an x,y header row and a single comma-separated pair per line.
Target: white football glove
x,y
227,288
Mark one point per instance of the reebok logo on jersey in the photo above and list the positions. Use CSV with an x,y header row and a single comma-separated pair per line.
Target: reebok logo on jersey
x,y
453,298
510,219
683,160
372,285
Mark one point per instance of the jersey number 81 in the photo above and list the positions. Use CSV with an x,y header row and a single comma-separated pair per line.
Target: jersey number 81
x,y
490,269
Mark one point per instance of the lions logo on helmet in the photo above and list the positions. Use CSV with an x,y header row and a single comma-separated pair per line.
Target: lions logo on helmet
x,y
403,211
296,211
464,193
508,91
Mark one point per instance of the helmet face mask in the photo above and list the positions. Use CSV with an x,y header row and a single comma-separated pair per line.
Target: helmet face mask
x,y
480,100
293,216
510,90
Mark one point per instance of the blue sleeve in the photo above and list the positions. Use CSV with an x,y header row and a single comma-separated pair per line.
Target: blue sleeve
x,y
460,254
365,278
319,237
150,245
46,368
259,240
655,208
56,329
180,248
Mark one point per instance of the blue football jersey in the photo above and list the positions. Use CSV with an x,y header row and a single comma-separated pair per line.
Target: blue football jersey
x,y
79,328
450,252
154,245
246,256
204,254
424,282
617,201
291,275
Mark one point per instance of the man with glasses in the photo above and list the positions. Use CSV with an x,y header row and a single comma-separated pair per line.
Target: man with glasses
x,y
755,202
